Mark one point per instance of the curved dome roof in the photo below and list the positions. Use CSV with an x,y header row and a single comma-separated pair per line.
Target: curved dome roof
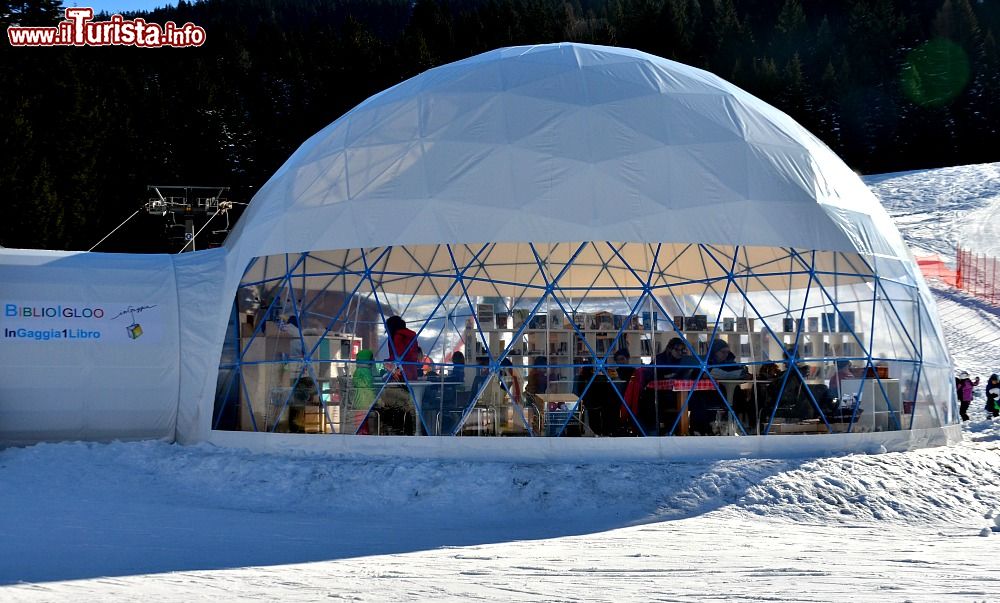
x,y
564,142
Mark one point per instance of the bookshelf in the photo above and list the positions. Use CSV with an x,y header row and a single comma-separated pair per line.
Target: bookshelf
x,y
552,336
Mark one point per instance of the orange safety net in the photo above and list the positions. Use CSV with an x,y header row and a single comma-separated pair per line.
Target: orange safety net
x,y
934,267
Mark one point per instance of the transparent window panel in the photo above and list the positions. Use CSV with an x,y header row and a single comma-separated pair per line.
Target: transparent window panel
x,y
544,331
936,404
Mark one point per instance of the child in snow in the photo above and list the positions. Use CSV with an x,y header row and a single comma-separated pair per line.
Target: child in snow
x,y
964,386
993,395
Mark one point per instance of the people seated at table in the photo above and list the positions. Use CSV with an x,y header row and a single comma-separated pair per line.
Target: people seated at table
x,y
624,369
600,401
723,364
844,371
705,406
674,361
797,400
657,407
457,372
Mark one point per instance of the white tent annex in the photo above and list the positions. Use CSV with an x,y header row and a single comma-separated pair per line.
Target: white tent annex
x,y
558,201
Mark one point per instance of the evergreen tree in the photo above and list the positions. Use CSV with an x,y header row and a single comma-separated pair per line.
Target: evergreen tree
x,y
85,128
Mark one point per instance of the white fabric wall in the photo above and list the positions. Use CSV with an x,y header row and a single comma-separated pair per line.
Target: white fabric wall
x,y
77,385
206,285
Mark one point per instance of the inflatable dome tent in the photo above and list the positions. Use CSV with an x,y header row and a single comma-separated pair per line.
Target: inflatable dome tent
x,y
593,248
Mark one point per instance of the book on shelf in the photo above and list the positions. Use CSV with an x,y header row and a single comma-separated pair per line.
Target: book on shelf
x,y
829,322
645,347
538,321
728,324
604,320
519,315
698,322
744,324
846,321
503,320
813,323
603,344
484,313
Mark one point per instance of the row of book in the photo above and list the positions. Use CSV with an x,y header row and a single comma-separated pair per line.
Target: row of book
x,y
828,322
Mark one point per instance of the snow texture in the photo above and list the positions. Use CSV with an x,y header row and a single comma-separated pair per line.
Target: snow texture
x,y
154,521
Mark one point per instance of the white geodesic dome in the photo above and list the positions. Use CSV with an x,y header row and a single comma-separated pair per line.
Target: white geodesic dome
x,y
518,148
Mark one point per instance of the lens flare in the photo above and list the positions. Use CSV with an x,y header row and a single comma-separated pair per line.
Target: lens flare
x,y
935,73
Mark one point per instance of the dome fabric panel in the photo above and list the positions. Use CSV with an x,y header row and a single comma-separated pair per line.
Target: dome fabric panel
x,y
562,142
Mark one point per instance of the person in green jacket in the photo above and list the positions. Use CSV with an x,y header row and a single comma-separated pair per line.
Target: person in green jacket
x,y
363,395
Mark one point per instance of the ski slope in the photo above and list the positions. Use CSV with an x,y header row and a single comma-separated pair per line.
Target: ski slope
x,y
157,522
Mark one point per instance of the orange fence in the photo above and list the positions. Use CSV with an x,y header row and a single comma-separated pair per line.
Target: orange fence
x,y
934,267
976,273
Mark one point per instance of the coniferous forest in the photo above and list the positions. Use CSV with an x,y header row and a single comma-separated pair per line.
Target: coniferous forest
x,y
888,85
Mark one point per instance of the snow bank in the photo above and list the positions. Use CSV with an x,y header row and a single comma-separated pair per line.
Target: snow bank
x,y
206,520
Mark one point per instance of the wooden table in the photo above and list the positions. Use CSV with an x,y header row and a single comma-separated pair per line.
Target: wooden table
x,y
681,387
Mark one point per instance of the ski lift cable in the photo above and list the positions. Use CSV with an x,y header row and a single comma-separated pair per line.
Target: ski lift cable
x,y
209,221
115,229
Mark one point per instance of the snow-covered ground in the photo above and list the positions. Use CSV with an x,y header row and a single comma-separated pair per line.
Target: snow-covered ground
x,y
151,521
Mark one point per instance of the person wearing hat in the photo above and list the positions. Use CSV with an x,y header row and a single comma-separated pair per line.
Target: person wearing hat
x,y
724,362
964,384
993,395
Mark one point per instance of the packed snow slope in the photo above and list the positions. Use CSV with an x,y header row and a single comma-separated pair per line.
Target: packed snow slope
x,y
152,521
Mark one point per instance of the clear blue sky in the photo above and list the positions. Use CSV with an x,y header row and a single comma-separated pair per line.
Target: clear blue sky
x,y
112,6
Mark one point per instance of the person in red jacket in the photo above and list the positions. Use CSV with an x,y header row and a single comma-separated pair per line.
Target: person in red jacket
x,y
403,348
395,404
